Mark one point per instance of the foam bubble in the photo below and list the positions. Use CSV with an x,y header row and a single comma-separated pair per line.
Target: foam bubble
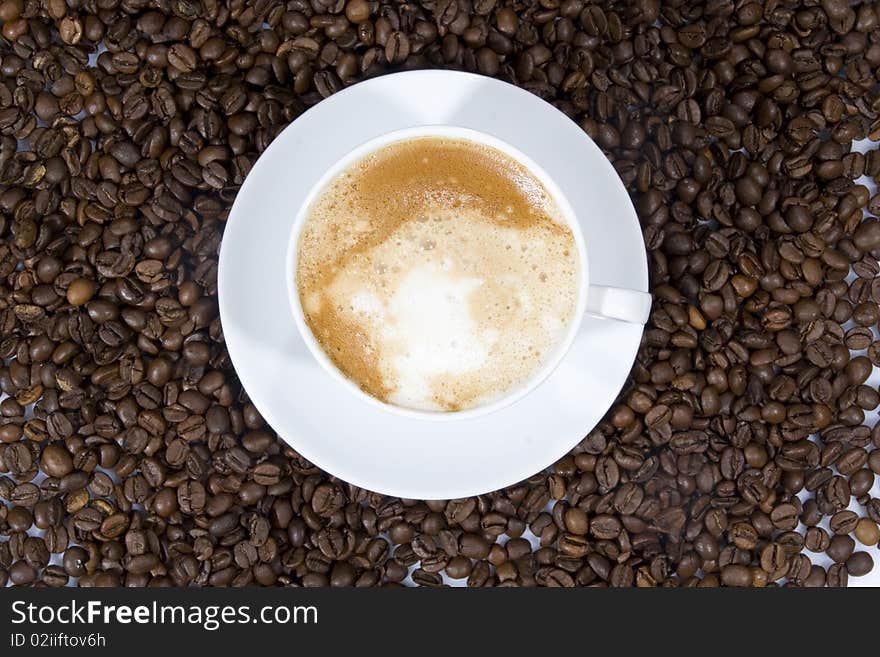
x,y
367,304
451,277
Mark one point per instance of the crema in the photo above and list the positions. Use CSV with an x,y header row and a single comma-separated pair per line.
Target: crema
x,y
437,273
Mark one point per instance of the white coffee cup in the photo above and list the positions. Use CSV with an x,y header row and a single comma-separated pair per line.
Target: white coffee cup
x,y
609,302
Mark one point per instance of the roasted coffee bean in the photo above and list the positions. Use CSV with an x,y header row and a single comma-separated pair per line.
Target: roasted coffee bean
x,y
80,291
56,461
26,495
867,532
458,567
473,546
843,522
840,548
837,575
736,575
784,517
859,563
21,573
816,539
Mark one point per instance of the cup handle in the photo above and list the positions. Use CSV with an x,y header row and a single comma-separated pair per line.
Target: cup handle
x,y
618,303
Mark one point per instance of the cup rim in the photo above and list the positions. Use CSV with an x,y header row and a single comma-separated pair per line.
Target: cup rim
x,y
453,132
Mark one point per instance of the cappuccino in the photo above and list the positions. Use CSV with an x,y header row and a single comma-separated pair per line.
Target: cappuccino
x,y
437,273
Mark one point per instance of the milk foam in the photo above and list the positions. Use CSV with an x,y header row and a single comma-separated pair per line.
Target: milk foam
x,y
434,331
437,274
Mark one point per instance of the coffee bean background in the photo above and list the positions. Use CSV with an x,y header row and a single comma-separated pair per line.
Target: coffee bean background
x,y
744,451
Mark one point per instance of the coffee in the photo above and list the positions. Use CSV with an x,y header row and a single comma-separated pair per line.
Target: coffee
x,y
437,273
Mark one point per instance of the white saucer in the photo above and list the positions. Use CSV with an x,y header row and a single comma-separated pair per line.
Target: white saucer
x,y
315,413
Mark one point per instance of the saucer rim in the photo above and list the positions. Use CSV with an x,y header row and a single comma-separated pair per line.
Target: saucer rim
x,y
425,490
